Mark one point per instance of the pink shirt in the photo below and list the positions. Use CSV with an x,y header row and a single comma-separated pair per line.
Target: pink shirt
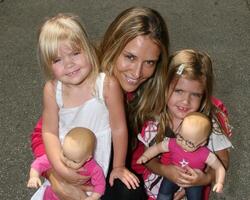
x,y
92,169
196,159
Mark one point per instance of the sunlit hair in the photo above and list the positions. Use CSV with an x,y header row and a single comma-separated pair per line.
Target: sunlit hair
x,y
133,22
60,28
197,66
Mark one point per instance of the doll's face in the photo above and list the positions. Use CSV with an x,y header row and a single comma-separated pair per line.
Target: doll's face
x,y
74,157
190,137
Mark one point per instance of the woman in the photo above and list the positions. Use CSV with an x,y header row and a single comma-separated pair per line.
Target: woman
x,y
135,50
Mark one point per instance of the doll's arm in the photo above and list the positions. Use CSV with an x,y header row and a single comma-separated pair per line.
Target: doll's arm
x,y
220,171
34,180
153,151
94,196
113,96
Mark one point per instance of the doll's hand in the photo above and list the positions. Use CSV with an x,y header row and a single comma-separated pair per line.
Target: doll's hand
x,y
127,177
218,187
142,159
34,182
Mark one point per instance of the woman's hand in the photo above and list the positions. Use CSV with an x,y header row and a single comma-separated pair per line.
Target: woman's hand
x,y
127,177
66,191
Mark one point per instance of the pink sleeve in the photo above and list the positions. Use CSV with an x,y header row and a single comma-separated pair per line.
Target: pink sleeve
x,y
97,177
41,164
37,145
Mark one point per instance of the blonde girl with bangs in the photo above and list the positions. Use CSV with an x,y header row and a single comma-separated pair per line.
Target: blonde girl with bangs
x,y
77,95
189,88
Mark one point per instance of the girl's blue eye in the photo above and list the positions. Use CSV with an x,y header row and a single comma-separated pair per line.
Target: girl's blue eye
x,y
197,95
178,91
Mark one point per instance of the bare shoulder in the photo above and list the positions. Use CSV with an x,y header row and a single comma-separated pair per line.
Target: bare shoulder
x,y
111,82
49,87
111,85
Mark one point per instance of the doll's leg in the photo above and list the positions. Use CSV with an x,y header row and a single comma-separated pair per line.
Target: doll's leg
x,y
167,190
194,193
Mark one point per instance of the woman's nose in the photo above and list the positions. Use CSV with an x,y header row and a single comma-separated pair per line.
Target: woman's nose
x,y
137,70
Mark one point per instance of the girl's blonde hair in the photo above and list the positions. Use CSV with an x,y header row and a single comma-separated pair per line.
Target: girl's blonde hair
x,y
192,65
63,27
133,22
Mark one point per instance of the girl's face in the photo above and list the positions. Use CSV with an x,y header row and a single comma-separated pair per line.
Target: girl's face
x,y
136,63
185,97
70,66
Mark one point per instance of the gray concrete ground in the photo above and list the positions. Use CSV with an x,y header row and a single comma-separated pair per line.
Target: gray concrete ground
x,y
220,27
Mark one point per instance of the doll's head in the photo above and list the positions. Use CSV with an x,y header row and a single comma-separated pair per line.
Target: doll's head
x,y
194,131
78,147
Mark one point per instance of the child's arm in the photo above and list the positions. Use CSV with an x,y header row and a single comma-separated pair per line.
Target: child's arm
x,y
220,171
153,151
115,103
51,137
34,180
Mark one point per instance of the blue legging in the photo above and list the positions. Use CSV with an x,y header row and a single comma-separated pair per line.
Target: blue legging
x,y
168,188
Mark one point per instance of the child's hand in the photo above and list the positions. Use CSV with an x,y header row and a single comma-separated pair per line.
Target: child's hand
x,y
64,190
127,177
34,182
192,177
218,187
70,175
142,159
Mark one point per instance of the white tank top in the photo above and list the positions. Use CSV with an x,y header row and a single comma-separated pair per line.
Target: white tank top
x,y
94,115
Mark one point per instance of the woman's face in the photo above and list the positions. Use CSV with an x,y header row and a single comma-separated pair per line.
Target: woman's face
x,y
136,63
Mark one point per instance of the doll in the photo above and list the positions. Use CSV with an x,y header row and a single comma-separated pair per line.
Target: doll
x,y
188,149
77,152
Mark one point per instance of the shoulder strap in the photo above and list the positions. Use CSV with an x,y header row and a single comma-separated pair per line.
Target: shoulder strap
x,y
99,85
59,99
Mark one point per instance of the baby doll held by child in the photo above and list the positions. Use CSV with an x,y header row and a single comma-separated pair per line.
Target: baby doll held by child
x,y
77,153
188,149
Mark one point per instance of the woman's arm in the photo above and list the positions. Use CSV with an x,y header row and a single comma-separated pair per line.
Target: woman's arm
x,y
113,96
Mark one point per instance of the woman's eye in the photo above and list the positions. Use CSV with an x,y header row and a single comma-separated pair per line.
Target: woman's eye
x,y
130,57
150,62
